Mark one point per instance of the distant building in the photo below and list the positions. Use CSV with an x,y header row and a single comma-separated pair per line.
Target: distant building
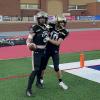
x,y
53,7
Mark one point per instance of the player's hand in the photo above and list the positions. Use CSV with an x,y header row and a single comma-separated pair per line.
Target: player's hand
x,y
32,46
46,39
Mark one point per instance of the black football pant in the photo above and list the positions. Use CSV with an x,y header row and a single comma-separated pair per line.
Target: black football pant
x,y
55,58
39,56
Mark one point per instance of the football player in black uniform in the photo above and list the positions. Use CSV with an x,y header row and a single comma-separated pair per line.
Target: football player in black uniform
x,y
36,42
58,33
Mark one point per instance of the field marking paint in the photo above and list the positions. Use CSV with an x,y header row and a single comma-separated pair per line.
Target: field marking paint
x,y
13,77
85,72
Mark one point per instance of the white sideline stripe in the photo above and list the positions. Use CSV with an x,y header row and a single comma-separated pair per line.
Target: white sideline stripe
x,y
77,64
85,72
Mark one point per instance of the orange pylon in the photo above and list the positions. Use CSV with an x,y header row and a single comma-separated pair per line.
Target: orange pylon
x,y
82,59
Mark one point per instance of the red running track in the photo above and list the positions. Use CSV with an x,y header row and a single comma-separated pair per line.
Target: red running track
x,y
76,42
81,41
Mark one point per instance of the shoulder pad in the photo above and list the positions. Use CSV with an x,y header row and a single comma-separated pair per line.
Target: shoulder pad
x,y
32,28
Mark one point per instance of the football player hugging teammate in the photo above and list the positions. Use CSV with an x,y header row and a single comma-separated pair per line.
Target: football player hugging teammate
x,y
58,33
44,46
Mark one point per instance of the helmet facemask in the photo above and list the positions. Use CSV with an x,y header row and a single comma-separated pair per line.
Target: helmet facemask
x,y
61,22
42,18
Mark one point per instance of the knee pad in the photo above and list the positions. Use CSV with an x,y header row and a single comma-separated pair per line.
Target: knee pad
x,y
56,69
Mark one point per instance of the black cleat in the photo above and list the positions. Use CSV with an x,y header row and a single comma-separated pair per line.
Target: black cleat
x,y
39,85
29,93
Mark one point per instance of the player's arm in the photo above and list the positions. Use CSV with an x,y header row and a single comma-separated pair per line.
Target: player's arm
x,y
31,34
29,39
62,36
56,42
29,42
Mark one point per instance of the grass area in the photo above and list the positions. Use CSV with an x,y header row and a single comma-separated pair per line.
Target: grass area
x,y
79,88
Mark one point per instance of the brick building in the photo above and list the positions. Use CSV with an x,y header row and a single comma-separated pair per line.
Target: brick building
x,y
53,7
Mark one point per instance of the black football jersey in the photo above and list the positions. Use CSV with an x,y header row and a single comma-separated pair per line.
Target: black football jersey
x,y
55,34
41,33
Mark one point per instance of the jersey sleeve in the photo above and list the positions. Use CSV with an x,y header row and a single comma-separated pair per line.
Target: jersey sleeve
x,y
63,33
33,29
